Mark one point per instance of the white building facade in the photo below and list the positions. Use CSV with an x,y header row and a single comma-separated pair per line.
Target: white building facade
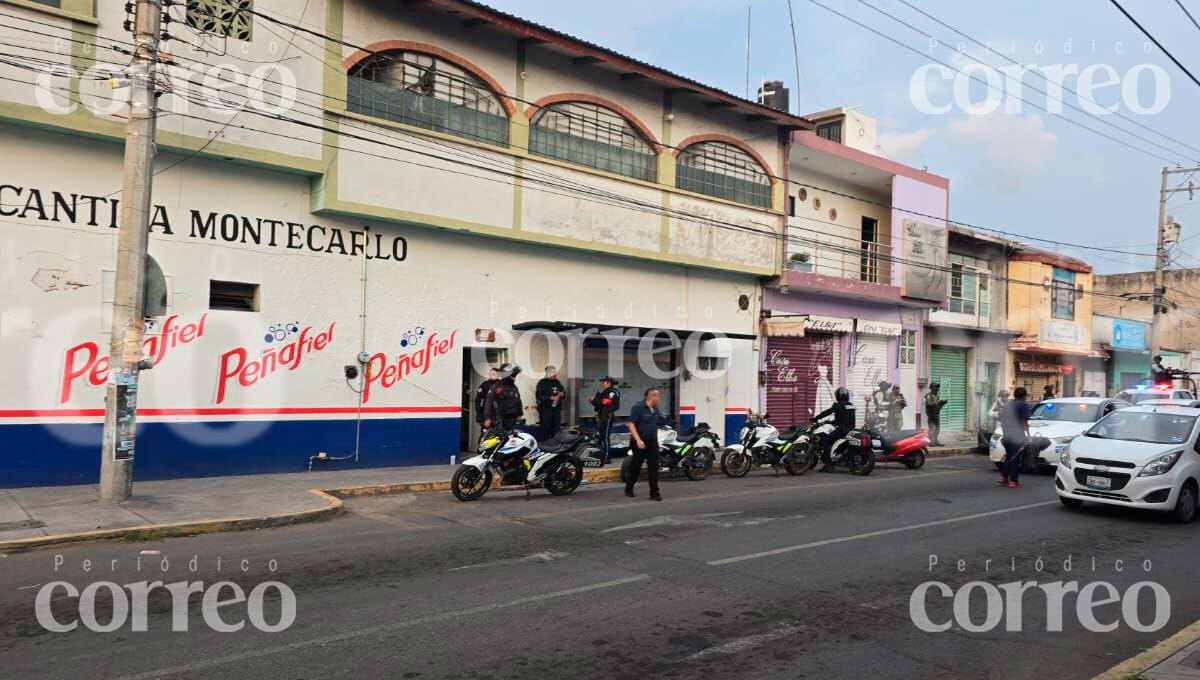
x,y
452,188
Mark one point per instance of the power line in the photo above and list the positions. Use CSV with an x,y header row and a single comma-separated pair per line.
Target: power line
x,y
1003,232
1156,42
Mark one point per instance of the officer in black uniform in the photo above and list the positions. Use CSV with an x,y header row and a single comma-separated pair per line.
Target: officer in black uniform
x,y
481,394
550,393
843,419
606,402
503,404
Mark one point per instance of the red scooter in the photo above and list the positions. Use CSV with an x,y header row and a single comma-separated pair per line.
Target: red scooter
x,y
909,447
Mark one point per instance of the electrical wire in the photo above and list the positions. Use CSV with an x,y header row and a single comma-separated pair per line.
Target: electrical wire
x,y
1156,42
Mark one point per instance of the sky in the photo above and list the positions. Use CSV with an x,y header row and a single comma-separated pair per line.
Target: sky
x,y
1017,167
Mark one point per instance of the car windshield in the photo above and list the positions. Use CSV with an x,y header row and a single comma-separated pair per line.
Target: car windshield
x,y
1065,411
1136,426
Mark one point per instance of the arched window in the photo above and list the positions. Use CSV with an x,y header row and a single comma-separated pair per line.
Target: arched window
x,y
591,135
426,91
723,170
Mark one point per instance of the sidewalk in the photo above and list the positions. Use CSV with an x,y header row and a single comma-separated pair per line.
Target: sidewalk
x,y
1176,658
41,516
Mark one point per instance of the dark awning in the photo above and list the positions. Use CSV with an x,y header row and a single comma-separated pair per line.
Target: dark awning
x,y
616,329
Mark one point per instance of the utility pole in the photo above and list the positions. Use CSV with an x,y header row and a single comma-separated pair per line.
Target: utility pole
x,y
1165,224
133,235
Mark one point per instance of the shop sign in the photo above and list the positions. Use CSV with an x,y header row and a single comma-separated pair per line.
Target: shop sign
x,y
1033,367
829,324
877,328
1062,332
1128,335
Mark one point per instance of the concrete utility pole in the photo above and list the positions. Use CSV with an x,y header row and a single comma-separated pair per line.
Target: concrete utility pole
x,y
1160,255
133,235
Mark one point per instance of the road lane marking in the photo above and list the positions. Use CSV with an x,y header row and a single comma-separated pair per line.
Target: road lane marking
x,y
720,520
544,556
873,534
375,630
748,642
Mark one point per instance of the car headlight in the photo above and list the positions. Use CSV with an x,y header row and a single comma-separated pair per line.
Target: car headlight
x,y
1160,465
1062,443
1064,459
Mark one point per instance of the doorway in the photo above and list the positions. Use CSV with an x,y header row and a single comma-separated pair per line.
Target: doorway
x,y
869,265
469,429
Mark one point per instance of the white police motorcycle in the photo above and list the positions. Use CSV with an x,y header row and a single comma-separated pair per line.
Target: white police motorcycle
x,y
517,460
761,444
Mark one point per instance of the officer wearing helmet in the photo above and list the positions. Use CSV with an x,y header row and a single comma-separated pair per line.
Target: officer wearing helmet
x,y
503,404
843,419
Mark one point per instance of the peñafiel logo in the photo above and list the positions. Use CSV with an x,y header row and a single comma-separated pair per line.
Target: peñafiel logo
x,y
83,361
385,373
236,364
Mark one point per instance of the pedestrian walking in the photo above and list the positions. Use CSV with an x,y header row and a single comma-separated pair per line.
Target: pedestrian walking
x,y
933,411
895,410
549,394
606,402
1014,420
644,421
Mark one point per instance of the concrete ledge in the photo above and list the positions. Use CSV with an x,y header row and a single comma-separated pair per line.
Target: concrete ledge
x,y
1135,666
950,451
592,476
148,532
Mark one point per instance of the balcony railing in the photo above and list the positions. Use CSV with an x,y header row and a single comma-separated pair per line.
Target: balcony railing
x,y
841,256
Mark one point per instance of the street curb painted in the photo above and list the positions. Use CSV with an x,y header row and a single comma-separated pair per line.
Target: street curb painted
x,y
147,532
589,476
1135,666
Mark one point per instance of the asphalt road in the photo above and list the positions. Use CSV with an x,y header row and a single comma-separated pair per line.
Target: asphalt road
x,y
762,577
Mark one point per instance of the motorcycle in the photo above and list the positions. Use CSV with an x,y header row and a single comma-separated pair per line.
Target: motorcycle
x,y
517,460
760,443
693,453
578,443
909,447
852,452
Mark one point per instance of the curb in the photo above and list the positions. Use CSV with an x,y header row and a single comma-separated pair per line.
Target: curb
x,y
1133,667
948,451
147,532
589,476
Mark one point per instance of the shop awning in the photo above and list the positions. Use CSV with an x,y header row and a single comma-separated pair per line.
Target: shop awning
x,y
1036,367
629,331
785,327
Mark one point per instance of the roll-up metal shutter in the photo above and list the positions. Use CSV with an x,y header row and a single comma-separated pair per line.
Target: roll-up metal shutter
x,y
869,366
802,374
948,366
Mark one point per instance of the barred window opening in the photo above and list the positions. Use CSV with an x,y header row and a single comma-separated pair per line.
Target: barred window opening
x,y
425,91
724,171
591,135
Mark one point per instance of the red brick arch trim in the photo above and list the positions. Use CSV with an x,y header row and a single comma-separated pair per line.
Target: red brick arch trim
x,y
696,139
616,108
409,46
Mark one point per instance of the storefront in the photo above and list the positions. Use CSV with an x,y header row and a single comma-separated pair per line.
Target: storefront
x,y
948,368
270,306
1125,342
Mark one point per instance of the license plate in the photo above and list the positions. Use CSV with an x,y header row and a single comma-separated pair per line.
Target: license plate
x,y
1099,482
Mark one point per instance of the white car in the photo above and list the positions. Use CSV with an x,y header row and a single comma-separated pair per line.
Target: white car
x,y
1140,457
1060,421
1137,395
1190,403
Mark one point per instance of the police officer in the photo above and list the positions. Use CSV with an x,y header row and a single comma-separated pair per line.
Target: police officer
x,y
481,394
503,403
843,419
550,393
933,412
606,402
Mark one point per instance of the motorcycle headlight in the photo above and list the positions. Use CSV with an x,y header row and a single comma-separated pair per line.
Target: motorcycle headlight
x,y
489,442
1160,465
1064,459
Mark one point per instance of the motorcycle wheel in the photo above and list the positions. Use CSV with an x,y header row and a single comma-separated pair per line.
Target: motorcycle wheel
x,y
469,483
915,460
799,463
701,465
566,478
735,464
863,464
814,455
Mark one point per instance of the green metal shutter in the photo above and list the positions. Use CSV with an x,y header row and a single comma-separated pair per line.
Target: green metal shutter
x,y
949,367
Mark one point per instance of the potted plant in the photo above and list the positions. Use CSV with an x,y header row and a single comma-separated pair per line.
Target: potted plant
x,y
800,262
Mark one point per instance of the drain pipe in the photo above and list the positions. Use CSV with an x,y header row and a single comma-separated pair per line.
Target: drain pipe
x,y
362,347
